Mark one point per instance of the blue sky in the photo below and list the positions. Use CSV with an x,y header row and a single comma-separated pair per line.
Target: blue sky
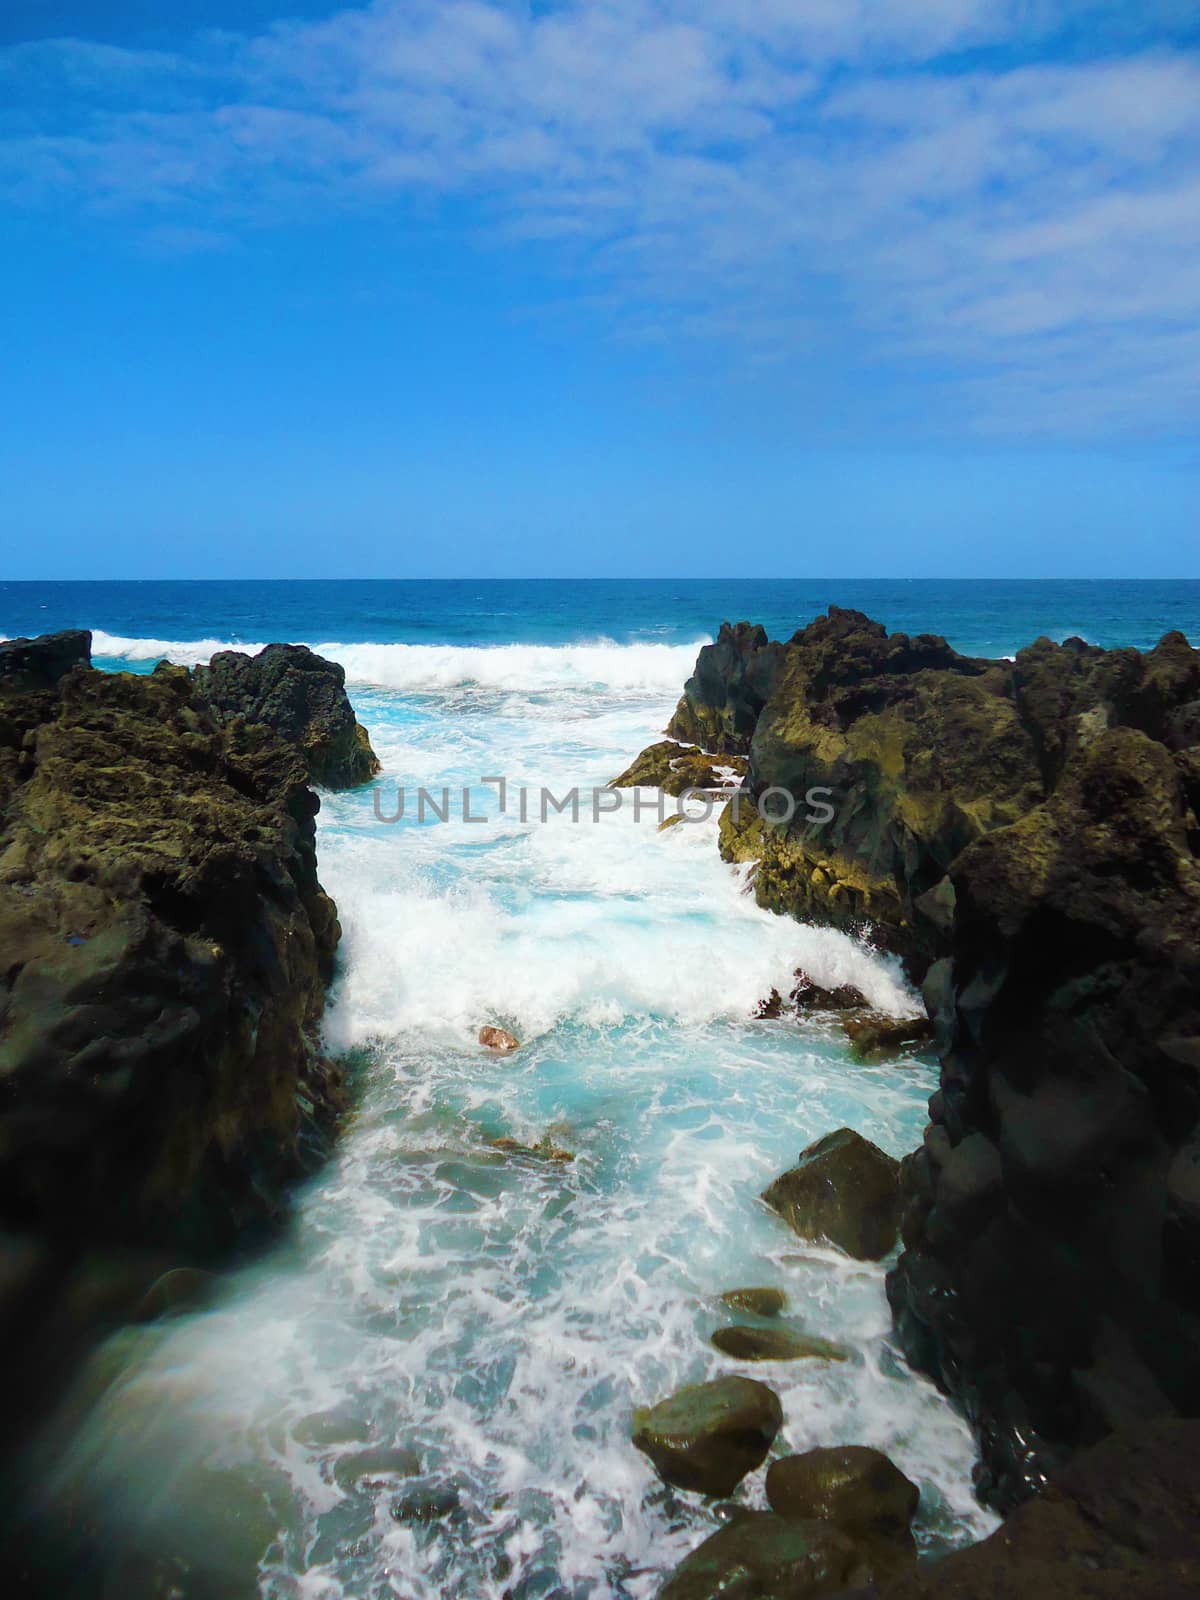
x,y
623,287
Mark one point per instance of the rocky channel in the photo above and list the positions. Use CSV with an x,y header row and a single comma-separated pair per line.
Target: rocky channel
x,y
1023,835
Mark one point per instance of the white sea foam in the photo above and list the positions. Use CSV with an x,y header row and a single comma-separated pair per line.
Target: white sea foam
x,y
428,669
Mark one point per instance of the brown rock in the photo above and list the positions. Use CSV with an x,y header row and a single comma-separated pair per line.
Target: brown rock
x,y
855,1488
708,1436
874,1036
763,1557
775,1344
760,1302
843,1189
499,1039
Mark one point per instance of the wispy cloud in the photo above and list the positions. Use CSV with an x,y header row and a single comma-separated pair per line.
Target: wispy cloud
x,y
933,184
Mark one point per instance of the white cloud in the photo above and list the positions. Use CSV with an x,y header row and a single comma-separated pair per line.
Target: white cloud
x,y
835,179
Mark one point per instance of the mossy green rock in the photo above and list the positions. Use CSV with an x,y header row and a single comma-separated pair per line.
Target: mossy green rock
x,y
765,1557
843,1189
708,1436
855,1488
675,768
775,1344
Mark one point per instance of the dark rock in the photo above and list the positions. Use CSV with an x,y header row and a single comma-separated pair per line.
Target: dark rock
x,y
760,1302
427,1505
1122,1522
1049,1278
722,700
764,1557
181,1289
775,1344
843,1189
31,664
544,1150
339,1426
164,950
807,995
710,1435
302,697
855,1488
874,1036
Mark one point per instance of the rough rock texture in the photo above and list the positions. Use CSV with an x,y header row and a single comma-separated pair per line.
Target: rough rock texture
x,y
723,698
164,950
916,749
855,1488
303,698
760,1302
1121,1523
1025,835
675,768
844,1189
39,663
764,1557
708,1436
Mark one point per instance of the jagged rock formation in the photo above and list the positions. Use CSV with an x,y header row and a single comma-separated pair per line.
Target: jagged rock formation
x,y
164,950
722,700
303,697
1025,834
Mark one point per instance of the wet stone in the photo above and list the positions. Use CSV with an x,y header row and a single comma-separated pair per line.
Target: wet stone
x,y
775,1344
758,1302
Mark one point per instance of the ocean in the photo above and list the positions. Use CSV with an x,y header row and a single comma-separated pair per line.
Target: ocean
x,y
501,1316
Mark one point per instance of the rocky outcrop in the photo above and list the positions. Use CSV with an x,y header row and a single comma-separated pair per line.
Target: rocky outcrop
x,y
1025,835
708,1436
1122,1522
676,768
164,950
722,700
761,1556
855,1488
39,663
843,1189
302,697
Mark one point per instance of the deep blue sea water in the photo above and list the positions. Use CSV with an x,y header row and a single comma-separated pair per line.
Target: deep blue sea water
x,y
501,1316
985,617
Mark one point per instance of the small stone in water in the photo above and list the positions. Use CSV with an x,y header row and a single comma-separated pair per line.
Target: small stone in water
x,y
759,1302
499,1039
775,1344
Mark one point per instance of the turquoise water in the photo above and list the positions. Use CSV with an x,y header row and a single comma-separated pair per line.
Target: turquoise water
x,y
500,1316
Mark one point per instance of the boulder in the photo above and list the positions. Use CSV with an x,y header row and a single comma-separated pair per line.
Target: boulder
x,y
843,1189
31,664
764,1557
759,1302
775,1344
499,1039
302,697
708,1436
808,995
723,699
855,1488
376,1466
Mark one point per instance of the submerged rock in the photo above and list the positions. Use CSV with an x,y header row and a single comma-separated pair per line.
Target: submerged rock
x,y
302,697
855,1488
544,1150
761,1556
843,1189
760,1302
376,1466
673,768
710,1435
499,1039
430,1504
807,995
775,1344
